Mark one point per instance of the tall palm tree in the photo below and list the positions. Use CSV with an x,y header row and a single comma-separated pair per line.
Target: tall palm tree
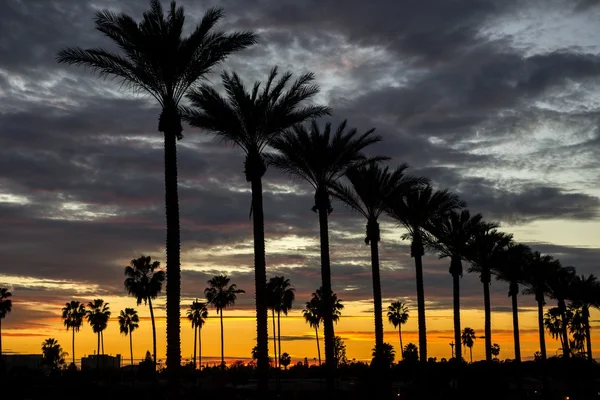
x,y
536,274
313,318
282,294
73,314
417,210
484,252
398,316
197,314
144,281
5,308
97,315
560,285
221,295
585,294
369,186
450,237
468,339
156,59
513,263
129,322
321,157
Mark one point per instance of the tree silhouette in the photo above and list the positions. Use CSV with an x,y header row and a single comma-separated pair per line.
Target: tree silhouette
x,y
410,353
577,329
97,315
312,316
53,355
129,322
398,316
383,354
285,360
560,285
321,158
197,314
496,350
154,58
340,351
5,309
556,323
73,314
221,295
281,296
467,339
144,281
586,294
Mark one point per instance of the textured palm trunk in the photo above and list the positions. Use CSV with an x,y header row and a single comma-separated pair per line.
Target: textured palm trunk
x,y
565,336
471,353
373,238
222,343
417,252
279,337
73,329
588,336
195,341
515,310
102,341
400,337
98,354
488,316
456,270
153,331
540,301
131,347
200,347
318,346
274,341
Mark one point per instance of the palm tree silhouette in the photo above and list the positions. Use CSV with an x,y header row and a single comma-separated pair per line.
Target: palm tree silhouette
x,y
398,316
585,294
221,295
313,317
5,308
536,274
52,354
97,315
251,120
555,323
72,315
144,281
321,158
285,360
384,354
496,350
410,352
467,339
154,58
560,285
281,295
513,263
197,314
369,186
417,211
451,236
129,322
484,252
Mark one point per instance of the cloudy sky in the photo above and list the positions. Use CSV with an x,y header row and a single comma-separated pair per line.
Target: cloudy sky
x,y
493,99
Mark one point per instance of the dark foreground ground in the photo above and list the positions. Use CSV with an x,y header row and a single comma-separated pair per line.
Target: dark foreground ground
x,y
554,379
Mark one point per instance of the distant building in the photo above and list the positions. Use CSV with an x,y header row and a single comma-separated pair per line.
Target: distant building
x,y
33,361
104,360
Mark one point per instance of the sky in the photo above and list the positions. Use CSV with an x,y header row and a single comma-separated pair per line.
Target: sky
x,y
495,100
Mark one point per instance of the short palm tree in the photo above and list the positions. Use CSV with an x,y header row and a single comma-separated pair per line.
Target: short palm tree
x,y
369,186
555,323
5,308
560,285
484,253
144,280
321,158
221,295
197,314
251,120
154,58
97,315
511,269
285,360
129,322
586,294
467,339
536,274
313,318
73,314
383,354
417,210
450,237
281,295
53,355
398,316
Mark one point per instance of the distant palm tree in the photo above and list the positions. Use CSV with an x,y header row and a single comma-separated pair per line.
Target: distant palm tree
x,y
313,317
52,354
410,353
511,269
496,350
221,295
398,316
450,238
383,354
281,295
586,294
369,186
129,322
334,308
554,321
285,360
484,253
154,58
5,308
97,315
144,281
560,285
73,314
321,157
537,273
468,339
577,329
251,120
418,210
197,314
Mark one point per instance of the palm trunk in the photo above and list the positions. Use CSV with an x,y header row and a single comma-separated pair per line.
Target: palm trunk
x,y
318,347
279,336
471,353
131,347
170,124
456,304
515,310
540,300
373,237
153,330
488,318
417,252
401,346
222,344
565,335
588,336
73,329
102,341
260,281
200,347
0,343
195,342
98,353
274,340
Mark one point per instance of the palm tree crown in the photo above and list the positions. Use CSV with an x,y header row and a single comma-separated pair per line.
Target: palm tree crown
x,y
98,314
128,321
144,279
220,293
398,313
197,314
73,314
5,303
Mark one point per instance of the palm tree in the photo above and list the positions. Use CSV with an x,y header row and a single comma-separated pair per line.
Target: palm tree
x,y
585,294
369,186
5,308
418,210
197,314
383,354
251,120
536,274
312,316
52,354
72,315
97,315
555,322
154,58
144,281
496,350
467,339
484,252
285,360
129,322
410,353
560,285
221,295
282,295
398,316
513,263
449,238
321,158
